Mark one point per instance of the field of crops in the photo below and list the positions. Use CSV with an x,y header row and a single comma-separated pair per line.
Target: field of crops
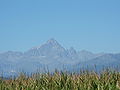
x,y
106,80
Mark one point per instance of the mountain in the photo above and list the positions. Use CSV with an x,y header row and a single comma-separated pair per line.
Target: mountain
x,y
50,48
100,62
50,56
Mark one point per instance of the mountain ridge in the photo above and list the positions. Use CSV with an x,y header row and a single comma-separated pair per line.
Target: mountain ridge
x,y
54,56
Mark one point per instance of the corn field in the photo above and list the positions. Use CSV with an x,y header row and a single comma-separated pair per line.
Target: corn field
x,y
85,80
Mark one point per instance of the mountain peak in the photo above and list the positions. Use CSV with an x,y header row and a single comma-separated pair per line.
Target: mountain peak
x,y
49,44
50,48
52,41
72,49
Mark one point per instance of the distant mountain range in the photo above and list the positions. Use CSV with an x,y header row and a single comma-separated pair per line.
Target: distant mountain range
x,y
51,56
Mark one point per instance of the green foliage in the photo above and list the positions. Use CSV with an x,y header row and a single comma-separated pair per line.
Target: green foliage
x,y
106,80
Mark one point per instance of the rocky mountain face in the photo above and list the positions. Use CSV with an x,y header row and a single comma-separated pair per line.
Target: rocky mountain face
x,y
51,56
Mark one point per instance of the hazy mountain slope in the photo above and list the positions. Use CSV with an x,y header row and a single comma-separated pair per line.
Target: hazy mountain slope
x,y
53,56
98,63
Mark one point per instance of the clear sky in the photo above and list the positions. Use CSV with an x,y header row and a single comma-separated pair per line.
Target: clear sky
x,y
92,25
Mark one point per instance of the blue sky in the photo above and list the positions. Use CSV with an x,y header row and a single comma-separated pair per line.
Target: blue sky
x,y
92,25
